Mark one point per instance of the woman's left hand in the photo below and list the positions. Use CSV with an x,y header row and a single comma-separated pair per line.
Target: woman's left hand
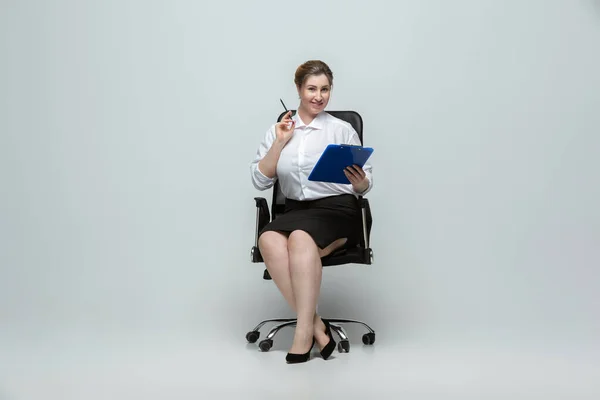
x,y
357,178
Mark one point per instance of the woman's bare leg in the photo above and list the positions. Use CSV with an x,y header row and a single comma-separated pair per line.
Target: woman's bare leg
x,y
306,273
318,325
274,250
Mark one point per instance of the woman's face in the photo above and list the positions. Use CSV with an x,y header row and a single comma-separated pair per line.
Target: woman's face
x,y
314,94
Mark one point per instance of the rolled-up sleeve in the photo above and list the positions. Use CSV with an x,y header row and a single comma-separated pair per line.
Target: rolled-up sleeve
x,y
260,180
354,140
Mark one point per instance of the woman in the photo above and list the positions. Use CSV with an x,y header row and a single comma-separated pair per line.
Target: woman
x,y
319,217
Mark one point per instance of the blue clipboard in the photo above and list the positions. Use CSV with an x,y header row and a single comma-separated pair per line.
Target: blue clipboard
x,y
336,157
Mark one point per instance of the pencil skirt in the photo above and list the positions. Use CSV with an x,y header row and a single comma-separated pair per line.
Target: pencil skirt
x,y
325,220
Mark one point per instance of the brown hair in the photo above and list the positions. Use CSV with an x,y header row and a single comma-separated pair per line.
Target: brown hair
x,y
312,67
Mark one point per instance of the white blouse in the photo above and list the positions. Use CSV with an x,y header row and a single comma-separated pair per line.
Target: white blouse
x,y
300,155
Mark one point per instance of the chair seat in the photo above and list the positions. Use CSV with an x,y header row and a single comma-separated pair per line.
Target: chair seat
x,y
357,255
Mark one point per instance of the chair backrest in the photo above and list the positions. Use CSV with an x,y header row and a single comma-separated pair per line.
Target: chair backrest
x,y
353,118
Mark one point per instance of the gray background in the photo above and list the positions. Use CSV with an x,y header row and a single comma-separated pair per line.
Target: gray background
x,y
127,128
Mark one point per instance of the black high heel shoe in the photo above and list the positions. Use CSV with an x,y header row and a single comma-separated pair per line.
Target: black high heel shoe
x,y
293,358
330,346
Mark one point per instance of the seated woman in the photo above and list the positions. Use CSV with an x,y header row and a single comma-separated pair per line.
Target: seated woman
x,y
319,217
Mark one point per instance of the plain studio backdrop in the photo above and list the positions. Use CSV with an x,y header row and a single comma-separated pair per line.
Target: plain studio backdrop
x,y
127,129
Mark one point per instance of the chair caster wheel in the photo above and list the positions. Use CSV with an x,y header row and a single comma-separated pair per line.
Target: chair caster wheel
x,y
344,346
253,336
368,338
265,345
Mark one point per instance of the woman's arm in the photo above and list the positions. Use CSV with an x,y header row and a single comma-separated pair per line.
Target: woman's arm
x,y
260,180
268,164
264,167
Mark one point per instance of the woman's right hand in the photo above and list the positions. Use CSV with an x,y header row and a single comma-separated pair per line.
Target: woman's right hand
x,y
285,128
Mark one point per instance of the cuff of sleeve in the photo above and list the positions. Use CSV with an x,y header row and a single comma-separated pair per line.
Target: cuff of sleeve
x,y
261,179
367,190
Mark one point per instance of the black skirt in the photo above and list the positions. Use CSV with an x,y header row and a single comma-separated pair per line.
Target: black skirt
x,y
325,220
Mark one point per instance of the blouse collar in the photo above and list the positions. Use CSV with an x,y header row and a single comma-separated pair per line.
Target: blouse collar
x,y
317,123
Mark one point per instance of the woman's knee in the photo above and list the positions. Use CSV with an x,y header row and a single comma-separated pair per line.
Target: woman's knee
x,y
301,241
272,242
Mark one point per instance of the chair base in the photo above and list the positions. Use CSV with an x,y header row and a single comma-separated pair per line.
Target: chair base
x,y
280,323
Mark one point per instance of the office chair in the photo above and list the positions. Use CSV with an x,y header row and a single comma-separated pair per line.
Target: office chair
x,y
362,254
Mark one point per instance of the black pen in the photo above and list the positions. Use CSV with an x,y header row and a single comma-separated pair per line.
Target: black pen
x,y
285,108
